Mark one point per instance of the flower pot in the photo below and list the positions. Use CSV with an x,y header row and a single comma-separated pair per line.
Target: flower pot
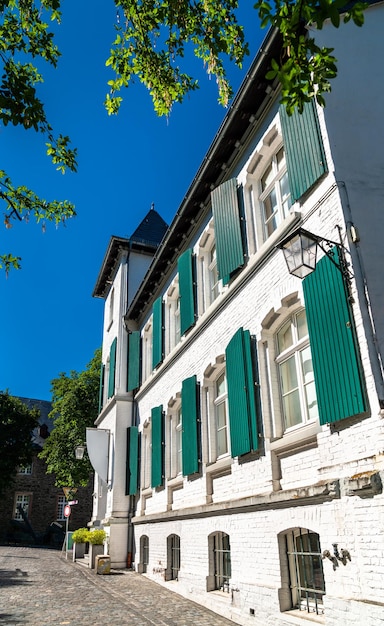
x,y
94,551
78,550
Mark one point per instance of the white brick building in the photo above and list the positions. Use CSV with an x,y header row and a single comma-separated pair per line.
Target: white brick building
x,y
244,406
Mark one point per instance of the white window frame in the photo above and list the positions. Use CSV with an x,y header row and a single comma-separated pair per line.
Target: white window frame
x,y
294,354
283,203
264,154
273,418
211,403
221,403
174,439
147,351
111,305
172,318
25,470
209,285
61,502
146,456
25,499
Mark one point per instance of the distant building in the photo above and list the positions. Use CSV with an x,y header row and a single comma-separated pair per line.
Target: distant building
x,y
35,492
243,407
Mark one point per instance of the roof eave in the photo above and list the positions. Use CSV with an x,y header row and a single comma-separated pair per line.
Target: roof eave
x,y
240,116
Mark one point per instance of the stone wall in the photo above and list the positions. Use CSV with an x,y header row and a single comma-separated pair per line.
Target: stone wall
x,y
44,500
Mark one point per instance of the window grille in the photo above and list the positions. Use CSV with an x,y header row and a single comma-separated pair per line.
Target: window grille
x,y
306,571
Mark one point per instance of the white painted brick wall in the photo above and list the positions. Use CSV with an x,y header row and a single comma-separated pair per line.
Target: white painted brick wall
x,y
354,592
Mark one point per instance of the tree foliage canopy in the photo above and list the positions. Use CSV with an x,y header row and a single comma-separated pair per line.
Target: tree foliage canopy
x,y
17,423
154,35
152,39
24,39
75,407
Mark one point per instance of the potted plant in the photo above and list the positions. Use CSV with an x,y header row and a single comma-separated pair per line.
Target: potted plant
x,y
96,540
80,537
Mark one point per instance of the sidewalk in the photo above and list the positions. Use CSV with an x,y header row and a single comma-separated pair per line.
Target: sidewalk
x,y
40,587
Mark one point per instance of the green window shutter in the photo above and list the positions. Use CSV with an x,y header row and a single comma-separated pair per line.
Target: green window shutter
x,y
101,388
226,215
186,289
157,469
157,321
189,421
242,405
112,368
335,355
303,147
133,360
131,483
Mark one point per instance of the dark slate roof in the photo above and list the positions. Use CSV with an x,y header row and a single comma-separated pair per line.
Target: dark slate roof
x,y
145,239
43,406
151,230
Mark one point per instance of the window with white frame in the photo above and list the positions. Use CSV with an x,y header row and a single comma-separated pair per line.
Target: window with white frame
x,y
275,196
22,501
209,284
302,573
25,469
172,318
174,444
61,502
221,415
147,352
267,194
111,306
215,411
146,458
294,361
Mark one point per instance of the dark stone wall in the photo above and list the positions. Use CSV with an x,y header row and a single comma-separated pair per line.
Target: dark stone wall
x,y
43,508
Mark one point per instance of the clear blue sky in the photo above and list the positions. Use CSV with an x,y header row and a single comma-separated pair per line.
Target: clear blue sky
x,y
49,321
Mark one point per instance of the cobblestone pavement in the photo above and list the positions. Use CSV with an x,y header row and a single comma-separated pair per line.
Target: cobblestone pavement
x,y
41,588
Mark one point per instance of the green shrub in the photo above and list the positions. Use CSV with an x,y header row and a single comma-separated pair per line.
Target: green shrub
x,y
97,537
81,535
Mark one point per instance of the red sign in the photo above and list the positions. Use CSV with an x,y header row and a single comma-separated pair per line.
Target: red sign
x,y
67,510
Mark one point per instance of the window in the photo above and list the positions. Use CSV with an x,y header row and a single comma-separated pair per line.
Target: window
x,y
294,360
60,507
275,197
174,443
112,368
111,307
25,469
147,352
144,554
221,415
215,418
219,561
172,319
22,501
213,274
210,286
302,573
146,458
173,557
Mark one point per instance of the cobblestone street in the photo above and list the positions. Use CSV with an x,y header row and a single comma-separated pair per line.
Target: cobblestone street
x,y
40,587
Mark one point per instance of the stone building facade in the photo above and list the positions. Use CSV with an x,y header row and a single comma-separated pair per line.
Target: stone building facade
x,y
41,500
244,406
